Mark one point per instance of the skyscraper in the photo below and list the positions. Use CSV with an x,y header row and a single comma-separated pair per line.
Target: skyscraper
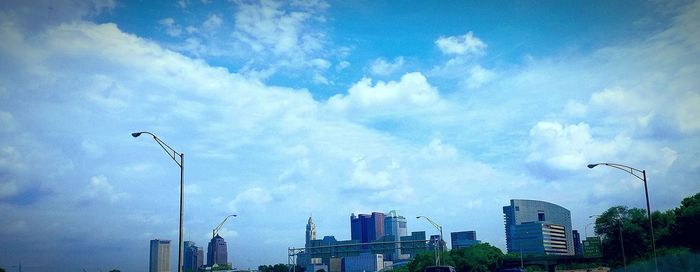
x,y
160,256
578,249
217,252
395,226
305,258
366,228
192,257
538,227
310,231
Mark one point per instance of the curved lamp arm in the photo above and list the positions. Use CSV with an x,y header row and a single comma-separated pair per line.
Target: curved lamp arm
x,y
171,152
633,171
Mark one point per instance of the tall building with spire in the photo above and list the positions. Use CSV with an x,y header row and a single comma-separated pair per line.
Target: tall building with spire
x,y
305,259
310,231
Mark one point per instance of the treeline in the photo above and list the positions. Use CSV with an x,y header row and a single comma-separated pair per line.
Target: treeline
x,y
676,232
479,257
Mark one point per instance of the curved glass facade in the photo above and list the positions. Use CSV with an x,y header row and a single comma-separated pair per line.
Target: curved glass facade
x,y
538,227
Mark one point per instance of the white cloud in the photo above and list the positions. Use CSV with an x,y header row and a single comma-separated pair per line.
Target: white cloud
x,y
479,76
212,23
383,68
171,28
466,44
266,27
99,189
342,65
412,93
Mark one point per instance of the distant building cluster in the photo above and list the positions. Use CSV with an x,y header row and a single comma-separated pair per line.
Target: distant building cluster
x,y
381,241
193,256
378,241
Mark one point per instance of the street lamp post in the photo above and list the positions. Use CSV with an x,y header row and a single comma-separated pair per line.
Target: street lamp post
x,y
439,228
181,163
635,172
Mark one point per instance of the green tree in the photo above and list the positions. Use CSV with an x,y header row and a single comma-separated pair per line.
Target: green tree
x,y
480,257
427,258
635,234
687,223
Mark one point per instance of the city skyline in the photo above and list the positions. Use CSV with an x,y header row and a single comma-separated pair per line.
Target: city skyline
x,y
289,108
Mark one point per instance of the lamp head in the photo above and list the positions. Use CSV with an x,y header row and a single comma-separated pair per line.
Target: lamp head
x,y
592,165
136,134
234,215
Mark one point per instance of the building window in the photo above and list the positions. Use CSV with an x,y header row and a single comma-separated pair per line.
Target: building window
x,y
517,208
540,215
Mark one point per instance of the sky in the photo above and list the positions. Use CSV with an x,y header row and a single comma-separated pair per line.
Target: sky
x,y
290,109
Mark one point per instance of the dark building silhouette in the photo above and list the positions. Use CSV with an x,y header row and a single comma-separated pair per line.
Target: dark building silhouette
x,y
578,248
462,239
217,252
193,257
366,228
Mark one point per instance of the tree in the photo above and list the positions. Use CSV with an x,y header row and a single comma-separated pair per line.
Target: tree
x,y
427,258
687,223
479,257
634,225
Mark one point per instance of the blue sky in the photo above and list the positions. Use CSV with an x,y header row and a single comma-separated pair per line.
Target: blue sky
x,y
286,109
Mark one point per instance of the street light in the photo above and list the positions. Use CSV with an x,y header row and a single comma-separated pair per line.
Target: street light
x,y
174,155
439,228
635,172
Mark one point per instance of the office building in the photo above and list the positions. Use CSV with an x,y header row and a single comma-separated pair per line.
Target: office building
x,y
395,224
538,227
395,227
217,252
364,263
578,249
462,239
160,256
366,228
193,257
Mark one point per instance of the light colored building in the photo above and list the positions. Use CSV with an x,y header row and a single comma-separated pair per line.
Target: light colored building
x,y
395,227
160,256
538,227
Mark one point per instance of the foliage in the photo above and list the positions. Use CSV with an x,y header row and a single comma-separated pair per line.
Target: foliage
x,y
427,258
278,268
2,270
674,230
687,223
479,257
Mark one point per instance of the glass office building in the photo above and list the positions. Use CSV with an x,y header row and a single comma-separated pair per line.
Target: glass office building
x,y
538,227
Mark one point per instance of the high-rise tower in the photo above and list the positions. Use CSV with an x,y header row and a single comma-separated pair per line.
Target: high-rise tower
x,y
217,252
366,228
160,256
310,231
